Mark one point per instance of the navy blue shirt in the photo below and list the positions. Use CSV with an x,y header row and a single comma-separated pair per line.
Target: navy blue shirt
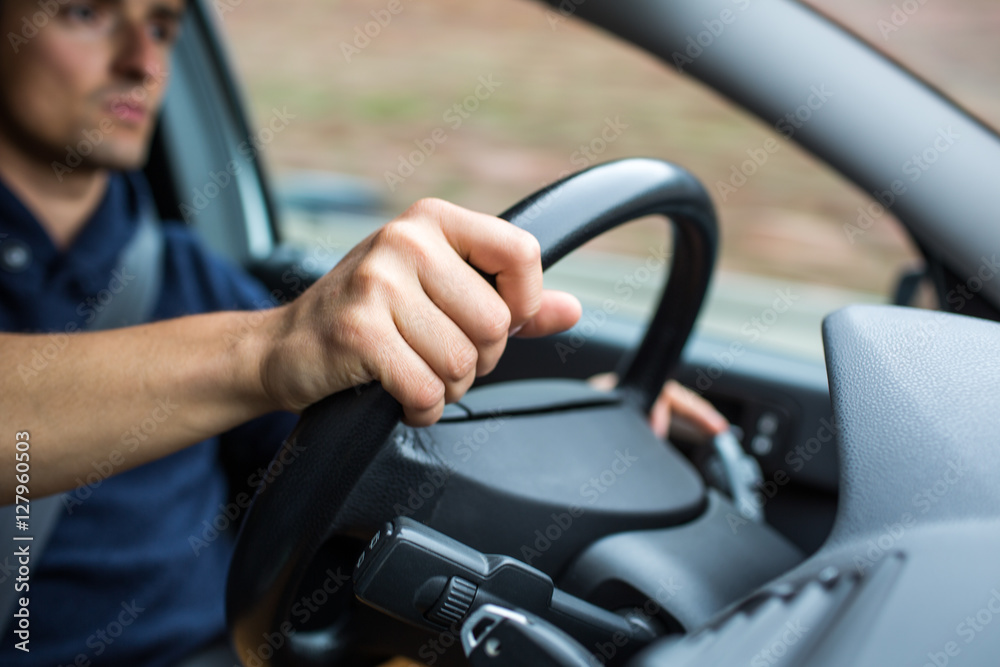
x,y
135,571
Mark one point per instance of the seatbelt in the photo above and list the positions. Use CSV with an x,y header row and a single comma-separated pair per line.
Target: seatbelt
x,y
142,257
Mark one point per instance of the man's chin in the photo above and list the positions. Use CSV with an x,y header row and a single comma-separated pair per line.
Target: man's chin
x,y
118,157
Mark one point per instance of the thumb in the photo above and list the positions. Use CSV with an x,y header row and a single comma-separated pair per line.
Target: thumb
x,y
558,312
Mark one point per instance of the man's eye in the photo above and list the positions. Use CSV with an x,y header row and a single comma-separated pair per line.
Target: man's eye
x,y
80,13
164,32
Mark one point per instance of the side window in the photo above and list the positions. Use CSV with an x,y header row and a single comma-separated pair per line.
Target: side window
x,y
484,103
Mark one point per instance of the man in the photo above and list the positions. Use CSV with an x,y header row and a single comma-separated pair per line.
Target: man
x,y
119,582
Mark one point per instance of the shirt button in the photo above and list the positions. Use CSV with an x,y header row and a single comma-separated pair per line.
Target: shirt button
x,y
15,255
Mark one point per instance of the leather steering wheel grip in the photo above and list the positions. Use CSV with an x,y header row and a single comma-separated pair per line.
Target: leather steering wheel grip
x,y
299,507
572,211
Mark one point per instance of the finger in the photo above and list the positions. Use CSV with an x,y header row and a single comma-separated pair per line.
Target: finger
x,y
558,312
470,302
659,415
408,378
604,381
498,248
688,405
439,341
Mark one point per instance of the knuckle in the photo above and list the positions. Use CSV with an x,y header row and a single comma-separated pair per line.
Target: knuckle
x,y
428,207
368,279
462,361
526,248
495,324
395,233
405,237
428,394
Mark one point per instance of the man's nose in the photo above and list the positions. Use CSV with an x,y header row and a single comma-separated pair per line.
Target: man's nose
x,y
138,53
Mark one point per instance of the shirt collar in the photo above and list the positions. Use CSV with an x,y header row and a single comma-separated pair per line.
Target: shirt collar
x,y
89,259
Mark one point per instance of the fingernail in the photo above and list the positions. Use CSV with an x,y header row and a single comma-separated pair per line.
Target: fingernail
x,y
513,332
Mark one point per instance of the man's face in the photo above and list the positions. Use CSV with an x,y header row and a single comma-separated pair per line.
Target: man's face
x,y
91,71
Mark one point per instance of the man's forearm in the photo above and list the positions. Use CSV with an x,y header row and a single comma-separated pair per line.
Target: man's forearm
x,y
112,400
404,307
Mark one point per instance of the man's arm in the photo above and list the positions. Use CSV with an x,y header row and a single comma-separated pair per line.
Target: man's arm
x,y
403,307
124,396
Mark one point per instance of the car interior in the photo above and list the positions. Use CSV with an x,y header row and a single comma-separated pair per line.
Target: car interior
x,y
501,535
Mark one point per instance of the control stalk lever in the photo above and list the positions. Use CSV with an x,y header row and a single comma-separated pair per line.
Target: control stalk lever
x,y
418,575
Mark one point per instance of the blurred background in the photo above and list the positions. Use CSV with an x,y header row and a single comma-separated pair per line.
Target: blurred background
x,y
523,95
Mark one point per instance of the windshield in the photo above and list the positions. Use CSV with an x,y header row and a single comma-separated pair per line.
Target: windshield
x,y
484,103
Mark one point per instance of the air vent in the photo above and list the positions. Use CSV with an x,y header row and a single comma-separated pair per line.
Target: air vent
x,y
787,624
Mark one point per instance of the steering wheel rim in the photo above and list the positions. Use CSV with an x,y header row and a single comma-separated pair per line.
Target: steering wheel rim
x,y
337,438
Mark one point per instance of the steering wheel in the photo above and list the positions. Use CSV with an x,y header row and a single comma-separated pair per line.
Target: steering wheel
x,y
347,467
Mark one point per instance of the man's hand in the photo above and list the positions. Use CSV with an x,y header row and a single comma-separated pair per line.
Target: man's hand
x,y
405,308
675,400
